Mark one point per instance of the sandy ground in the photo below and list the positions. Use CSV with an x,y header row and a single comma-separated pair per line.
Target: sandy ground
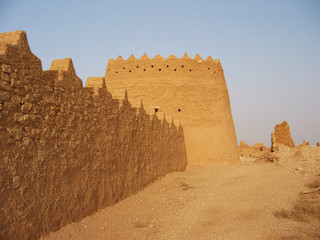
x,y
205,202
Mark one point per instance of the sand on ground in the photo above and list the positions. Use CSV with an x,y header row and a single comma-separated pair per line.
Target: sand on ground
x,y
213,201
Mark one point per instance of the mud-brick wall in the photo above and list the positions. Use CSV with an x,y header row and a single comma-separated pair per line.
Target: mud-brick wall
x,y
67,151
192,91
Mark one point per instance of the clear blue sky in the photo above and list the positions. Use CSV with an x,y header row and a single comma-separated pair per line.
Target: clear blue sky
x,y
270,50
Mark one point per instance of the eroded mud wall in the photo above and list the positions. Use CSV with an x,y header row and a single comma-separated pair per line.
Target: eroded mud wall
x,y
281,136
193,91
67,151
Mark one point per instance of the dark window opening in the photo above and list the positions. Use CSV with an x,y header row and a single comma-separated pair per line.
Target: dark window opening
x,y
124,67
175,69
144,69
182,66
137,66
179,110
156,109
152,66
167,66
208,68
116,71
159,69
129,70
190,70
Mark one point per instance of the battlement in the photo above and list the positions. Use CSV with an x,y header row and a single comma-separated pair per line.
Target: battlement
x,y
160,65
65,64
57,134
158,57
63,73
9,39
191,91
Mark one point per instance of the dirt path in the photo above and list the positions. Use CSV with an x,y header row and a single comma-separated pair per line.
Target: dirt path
x,y
204,202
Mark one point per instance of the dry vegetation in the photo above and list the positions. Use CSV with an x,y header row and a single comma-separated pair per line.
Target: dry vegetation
x,y
307,207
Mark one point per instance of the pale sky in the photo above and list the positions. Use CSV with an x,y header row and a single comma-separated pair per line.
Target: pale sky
x,y
270,50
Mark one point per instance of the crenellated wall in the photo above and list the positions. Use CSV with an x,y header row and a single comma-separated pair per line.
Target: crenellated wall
x,y
191,91
67,151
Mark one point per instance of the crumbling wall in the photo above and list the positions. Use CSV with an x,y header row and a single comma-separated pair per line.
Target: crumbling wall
x,y
67,151
304,143
192,91
256,150
281,136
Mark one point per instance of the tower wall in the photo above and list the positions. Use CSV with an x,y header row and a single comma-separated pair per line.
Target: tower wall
x,y
192,91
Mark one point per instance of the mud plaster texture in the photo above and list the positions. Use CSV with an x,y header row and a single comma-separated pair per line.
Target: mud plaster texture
x,y
192,91
281,136
68,151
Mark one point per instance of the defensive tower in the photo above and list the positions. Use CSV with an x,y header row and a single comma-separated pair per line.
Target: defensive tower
x,y
192,91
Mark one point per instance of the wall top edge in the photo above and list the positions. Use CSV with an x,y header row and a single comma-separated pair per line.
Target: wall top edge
x,y
158,57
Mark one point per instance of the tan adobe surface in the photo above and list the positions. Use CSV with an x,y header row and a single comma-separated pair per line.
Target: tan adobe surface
x,y
256,150
191,91
96,83
281,136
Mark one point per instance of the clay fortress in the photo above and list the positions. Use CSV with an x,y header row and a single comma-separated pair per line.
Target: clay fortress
x,y
192,91
68,151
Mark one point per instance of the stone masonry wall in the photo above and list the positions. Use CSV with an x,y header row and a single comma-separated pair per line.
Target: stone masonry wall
x,y
67,151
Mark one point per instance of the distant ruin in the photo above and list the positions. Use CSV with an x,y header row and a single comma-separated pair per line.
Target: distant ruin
x,y
281,136
191,91
304,143
68,151
282,149
256,150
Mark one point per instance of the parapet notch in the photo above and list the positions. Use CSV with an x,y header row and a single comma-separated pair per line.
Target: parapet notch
x,y
158,57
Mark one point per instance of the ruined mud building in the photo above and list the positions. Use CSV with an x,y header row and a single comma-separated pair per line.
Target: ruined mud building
x,y
281,136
